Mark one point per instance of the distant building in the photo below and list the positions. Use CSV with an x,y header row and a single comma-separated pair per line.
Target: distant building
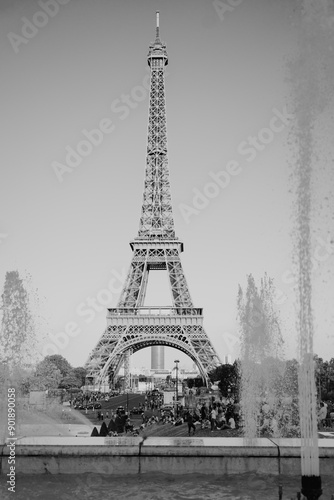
x,y
157,357
227,360
160,373
186,373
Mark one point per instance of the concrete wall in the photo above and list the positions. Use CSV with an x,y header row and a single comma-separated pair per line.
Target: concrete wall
x,y
133,455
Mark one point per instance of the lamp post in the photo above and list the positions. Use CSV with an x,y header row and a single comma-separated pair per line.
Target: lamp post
x,y
319,370
177,385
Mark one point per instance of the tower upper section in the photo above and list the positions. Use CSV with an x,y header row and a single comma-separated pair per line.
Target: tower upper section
x,y
156,221
157,54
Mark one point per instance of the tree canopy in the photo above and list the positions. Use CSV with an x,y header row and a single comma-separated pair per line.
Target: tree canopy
x,y
61,363
228,378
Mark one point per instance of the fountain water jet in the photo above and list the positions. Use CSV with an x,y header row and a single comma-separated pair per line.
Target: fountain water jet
x,y
261,356
311,75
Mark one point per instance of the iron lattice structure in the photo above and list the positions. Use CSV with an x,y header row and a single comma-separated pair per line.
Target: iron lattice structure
x,y
131,326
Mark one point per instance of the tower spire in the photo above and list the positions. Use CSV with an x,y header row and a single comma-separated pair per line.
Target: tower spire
x,y
157,30
156,219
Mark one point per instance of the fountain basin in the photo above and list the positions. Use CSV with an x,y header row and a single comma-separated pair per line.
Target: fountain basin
x,y
133,455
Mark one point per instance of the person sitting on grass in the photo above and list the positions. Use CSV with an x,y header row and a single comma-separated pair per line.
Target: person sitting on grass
x,y
128,426
205,424
178,421
223,424
231,423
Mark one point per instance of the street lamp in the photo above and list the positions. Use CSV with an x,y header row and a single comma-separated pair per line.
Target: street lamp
x,y
318,370
177,385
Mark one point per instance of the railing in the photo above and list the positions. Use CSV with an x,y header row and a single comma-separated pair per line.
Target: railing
x,y
157,311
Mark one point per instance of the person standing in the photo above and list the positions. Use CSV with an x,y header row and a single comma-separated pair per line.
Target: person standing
x,y
213,419
190,421
322,415
119,424
236,413
203,412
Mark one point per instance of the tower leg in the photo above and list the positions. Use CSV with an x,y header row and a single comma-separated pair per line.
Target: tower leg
x,y
127,387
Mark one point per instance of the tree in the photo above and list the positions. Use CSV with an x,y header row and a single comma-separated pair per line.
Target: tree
x,y
61,363
190,382
199,382
17,333
70,377
119,383
80,373
46,376
70,381
228,378
324,374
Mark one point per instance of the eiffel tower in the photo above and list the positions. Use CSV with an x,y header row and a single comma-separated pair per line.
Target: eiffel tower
x,y
131,326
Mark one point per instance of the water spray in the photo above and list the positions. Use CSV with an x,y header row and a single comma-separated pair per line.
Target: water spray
x,y
311,74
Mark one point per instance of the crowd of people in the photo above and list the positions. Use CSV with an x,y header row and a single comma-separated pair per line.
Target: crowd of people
x,y
216,416
114,423
213,415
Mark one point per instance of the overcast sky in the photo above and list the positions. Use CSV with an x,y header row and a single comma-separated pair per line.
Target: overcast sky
x,y
68,218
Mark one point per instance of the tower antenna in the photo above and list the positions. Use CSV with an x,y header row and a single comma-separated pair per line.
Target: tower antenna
x,y
157,27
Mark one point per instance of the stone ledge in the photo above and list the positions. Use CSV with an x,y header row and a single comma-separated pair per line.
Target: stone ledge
x,y
133,455
222,447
